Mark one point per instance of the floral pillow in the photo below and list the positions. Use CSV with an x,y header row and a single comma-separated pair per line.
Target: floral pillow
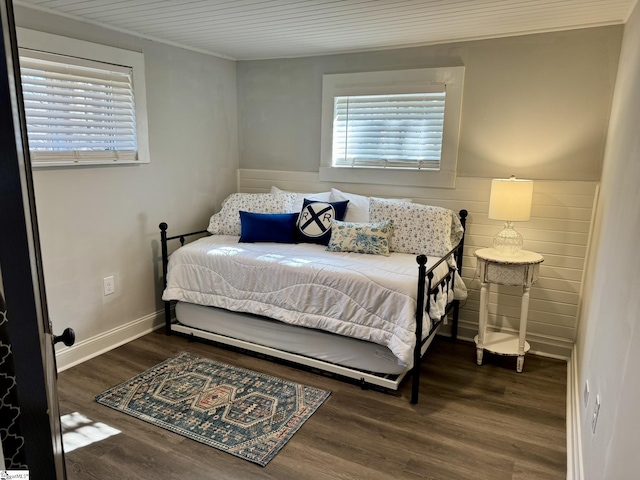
x,y
417,229
358,210
227,220
371,238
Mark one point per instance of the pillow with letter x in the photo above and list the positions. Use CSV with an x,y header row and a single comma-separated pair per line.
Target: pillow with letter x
x,y
314,222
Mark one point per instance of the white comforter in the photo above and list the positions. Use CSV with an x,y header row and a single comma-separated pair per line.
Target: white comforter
x,y
370,297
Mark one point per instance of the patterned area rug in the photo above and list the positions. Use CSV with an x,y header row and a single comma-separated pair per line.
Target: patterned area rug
x,y
241,412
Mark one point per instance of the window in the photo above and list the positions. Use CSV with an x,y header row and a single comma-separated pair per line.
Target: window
x,y
84,107
389,131
398,127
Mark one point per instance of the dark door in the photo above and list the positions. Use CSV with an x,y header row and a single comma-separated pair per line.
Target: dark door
x,y
26,326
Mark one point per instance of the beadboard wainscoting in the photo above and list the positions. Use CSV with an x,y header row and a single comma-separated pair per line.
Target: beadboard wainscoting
x,y
559,229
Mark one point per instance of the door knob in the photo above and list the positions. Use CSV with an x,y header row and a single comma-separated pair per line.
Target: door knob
x,y
68,337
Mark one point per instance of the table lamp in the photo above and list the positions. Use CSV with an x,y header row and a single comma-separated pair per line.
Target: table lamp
x,y
510,201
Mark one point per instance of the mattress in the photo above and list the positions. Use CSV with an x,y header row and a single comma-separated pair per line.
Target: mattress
x,y
368,297
328,347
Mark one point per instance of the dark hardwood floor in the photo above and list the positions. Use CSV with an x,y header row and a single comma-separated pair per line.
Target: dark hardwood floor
x,y
472,422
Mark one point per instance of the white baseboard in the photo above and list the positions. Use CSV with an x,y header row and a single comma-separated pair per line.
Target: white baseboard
x,y
94,346
574,438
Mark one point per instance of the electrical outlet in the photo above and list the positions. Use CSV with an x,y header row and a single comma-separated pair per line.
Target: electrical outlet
x,y
585,394
109,285
596,411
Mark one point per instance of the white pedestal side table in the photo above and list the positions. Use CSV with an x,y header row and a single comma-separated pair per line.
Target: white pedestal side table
x,y
520,269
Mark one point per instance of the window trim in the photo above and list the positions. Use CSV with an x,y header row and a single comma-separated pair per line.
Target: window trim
x,y
59,45
397,81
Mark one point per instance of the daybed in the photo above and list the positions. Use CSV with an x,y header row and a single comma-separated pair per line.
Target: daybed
x,y
329,281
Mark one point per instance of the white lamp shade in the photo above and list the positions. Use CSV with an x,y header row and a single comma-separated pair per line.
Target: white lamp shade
x,y
510,199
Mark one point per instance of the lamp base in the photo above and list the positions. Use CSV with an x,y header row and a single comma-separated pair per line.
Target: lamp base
x,y
507,241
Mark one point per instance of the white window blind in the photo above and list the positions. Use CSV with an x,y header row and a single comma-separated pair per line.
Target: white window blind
x,y
78,110
399,131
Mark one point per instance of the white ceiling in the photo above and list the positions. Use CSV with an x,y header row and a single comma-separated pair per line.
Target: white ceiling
x,y
255,29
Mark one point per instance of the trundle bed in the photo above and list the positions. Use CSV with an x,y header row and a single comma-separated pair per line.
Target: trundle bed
x,y
366,317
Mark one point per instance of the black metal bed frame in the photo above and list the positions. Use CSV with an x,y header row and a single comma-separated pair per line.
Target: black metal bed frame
x,y
427,294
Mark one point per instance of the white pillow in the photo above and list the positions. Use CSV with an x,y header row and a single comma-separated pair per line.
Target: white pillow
x,y
299,200
417,229
358,210
227,220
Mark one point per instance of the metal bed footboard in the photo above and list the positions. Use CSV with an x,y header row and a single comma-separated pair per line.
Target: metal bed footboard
x,y
165,262
429,294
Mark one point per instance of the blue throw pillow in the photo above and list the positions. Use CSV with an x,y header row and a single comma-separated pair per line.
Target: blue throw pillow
x,y
267,227
314,222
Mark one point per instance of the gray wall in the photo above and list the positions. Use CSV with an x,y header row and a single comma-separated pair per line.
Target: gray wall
x,y
536,106
101,221
608,346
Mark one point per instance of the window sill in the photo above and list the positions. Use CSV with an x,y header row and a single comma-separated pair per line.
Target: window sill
x,y
85,163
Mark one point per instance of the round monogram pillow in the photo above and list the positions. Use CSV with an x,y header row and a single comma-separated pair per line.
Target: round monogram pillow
x,y
314,222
